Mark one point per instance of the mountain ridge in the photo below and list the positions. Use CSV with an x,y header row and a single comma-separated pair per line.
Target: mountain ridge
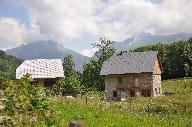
x,y
47,50
54,50
143,39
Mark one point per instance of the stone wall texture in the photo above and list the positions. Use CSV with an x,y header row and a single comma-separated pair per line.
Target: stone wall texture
x,y
143,84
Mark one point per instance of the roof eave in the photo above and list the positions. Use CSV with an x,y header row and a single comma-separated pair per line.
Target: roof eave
x,y
127,73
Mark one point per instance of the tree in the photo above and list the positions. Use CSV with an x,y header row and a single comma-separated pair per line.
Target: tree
x,y
175,58
71,83
91,72
68,65
8,65
104,47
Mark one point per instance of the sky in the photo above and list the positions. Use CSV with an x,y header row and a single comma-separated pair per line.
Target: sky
x,y
78,23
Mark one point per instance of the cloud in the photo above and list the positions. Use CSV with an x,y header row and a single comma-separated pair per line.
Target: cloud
x,y
66,20
89,52
10,31
166,17
14,33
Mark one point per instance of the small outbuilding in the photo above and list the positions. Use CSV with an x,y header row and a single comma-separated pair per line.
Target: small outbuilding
x,y
44,72
132,74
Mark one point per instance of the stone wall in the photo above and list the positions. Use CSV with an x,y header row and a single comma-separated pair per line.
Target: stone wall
x,y
157,89
133,82
157,68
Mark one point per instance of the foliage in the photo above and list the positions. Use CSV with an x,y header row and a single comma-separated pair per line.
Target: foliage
x,y
8,65
91,77
25,103
176,58
104,48
71,83
91,72
68,65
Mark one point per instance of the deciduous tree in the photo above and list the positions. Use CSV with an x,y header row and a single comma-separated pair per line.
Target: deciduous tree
x,y
91,72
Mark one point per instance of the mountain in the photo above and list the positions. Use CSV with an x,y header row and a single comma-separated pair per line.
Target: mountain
x,y
8,65
143,39
50,49
47,50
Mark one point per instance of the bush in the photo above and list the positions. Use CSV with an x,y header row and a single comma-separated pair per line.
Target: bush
x,y
25,103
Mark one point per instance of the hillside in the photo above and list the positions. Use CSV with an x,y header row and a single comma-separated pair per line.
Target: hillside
x,y
8,65
143,39
47,50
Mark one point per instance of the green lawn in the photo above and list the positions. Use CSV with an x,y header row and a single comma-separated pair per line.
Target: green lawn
x,y
174,110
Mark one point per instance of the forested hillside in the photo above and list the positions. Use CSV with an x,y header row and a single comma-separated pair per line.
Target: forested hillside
x,y
8,65
175,58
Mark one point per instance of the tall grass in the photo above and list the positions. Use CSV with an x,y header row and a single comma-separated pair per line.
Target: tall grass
x,y
165,111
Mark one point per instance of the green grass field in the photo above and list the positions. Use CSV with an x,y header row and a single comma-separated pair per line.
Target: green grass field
x,y
174,110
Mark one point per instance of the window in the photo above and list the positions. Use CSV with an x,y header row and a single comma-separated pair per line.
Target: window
x,y
119,80
156,91
115,81
114,93
159,90
136,82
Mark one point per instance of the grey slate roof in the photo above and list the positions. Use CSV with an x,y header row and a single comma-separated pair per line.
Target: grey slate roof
x,y
130,62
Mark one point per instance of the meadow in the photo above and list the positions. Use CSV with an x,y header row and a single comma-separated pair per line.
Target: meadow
x,y
171,110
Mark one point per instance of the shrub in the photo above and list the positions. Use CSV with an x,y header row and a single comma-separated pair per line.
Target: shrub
x,y
25,103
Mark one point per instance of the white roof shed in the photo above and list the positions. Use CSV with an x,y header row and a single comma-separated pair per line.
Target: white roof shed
x,y
41,68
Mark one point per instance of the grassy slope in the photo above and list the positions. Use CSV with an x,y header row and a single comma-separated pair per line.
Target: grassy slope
x,y
166,111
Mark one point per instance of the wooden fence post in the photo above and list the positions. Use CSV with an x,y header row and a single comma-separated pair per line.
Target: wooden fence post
x,y
130,103
86,100
185,108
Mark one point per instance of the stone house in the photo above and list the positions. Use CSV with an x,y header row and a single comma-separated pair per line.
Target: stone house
x,y
45,72
132,74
